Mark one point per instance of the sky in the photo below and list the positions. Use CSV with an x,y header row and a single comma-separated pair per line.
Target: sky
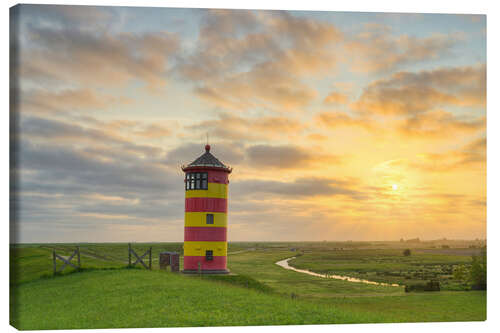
x,y
338,125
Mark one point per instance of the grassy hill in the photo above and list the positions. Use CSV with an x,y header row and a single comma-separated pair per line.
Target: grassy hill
x,y
106,294
139,298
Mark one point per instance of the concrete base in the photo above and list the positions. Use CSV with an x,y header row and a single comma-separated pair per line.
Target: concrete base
x,y
205,272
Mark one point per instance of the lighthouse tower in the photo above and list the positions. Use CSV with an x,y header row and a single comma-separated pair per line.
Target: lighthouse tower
x,y
205,219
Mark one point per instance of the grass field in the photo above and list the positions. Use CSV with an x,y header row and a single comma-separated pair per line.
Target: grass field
x,y
387,265
106,294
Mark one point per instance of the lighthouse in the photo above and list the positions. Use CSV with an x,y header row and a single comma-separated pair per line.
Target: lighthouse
x,y
205,218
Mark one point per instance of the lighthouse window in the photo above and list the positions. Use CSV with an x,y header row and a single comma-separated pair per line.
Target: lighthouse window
x,y
204,181
197,181
210,218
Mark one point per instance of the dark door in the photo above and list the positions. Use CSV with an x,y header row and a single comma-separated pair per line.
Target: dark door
x,y
209,255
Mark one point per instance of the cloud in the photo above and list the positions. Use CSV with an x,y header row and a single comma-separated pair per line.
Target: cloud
x,y
376,49
438,124
298,188
441,124
335,98
253,156
286,157
69,100
341,119
235,127
263,87
317,137
59,163
127,128
105,144
261,60
469,156
78,56
229,154
62,187
61,16
153,131
231,39
46,129
406,93
474,152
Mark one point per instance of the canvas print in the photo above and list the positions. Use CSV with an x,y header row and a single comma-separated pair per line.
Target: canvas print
x,y
192,167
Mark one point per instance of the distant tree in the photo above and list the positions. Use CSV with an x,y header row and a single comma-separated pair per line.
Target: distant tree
x,y
413,240
460,273
407,252
478,271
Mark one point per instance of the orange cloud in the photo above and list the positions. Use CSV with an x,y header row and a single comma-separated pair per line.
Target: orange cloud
x,y
441,123
465,157
340,119
236,128
287,157
260,60
406,93
153,131
260,88
336,98
435,125
375,49
70,100
317,137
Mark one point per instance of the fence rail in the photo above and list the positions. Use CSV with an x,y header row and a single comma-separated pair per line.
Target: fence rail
x,y
66,261
139,258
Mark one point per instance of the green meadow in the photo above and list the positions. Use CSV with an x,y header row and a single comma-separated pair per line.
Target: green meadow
x,y
105,293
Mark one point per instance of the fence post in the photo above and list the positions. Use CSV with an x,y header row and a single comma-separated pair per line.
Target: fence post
x,y
129,256
54,261
150,249
78,254
199,268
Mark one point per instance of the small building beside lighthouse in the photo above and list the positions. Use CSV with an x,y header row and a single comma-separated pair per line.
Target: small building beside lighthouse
x,y
205,218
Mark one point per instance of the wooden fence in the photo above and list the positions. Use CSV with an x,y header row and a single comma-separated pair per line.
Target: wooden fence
x,y
66,261
139,259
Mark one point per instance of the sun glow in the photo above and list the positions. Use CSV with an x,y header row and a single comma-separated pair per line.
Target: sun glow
x,y
394,187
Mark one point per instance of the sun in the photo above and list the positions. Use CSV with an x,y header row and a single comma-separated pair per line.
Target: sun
x,y
394,187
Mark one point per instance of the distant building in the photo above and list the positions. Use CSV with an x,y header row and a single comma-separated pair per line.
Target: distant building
x,y
205,220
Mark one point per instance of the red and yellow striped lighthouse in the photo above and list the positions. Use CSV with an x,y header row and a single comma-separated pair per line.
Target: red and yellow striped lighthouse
x,y
205,220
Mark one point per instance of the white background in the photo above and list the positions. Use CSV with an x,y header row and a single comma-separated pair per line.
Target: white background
x,y
420,6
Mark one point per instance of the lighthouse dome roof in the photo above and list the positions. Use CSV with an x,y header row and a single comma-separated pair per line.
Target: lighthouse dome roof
x,y
207,160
